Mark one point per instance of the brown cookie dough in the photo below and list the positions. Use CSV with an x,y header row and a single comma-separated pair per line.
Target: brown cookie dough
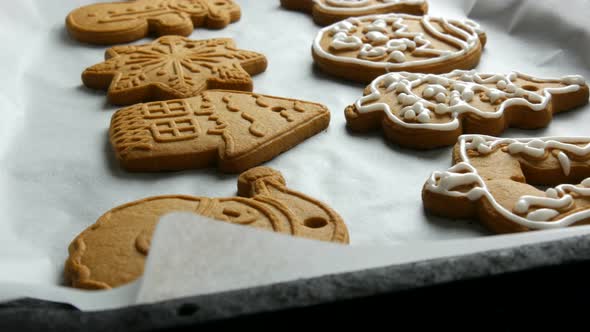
x,y
126,21
173,67
494,180
363,48
112,252
233,130
326,12
426,111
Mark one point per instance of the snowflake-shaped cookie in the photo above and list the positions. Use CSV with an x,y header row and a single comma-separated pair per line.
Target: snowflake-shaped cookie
x,y
173,67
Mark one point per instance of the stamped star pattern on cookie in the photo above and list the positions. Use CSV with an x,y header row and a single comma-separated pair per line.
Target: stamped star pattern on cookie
x,y
173,67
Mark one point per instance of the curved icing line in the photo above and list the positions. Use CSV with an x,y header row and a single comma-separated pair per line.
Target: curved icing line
x,y
444,182
425,21
385,4
462,106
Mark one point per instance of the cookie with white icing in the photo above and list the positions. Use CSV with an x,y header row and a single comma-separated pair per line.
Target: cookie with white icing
x,y
364,48
113,251
426,111
326,12
494,179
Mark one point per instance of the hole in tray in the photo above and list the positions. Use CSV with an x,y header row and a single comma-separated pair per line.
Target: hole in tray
x,y
187,309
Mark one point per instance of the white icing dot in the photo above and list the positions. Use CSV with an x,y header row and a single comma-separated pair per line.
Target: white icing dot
x,y
377,25
418,107
397,56
551,193
511,88
521,206
377,37
389,80
501,84
409,100
424,117
428,92
459,87
494,95
400,88
468,95
441,97
409,114
441,109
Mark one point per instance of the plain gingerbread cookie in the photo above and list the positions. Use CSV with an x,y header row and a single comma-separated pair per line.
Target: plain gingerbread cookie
x,y
126,21
173,67
112,252
231,129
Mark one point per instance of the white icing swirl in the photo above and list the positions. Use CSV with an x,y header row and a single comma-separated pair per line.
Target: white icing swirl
x,y
393,31
451,94
345,6
557,201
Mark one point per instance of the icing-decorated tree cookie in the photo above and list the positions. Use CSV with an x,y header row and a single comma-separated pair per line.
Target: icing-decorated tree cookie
x,y
112,252
126,21
494,179
326,12
427,111
233,130
173,67
364,48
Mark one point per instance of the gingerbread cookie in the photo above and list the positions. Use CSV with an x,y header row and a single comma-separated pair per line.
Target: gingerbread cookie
x,y
235,130
494,180
427,111
112,252
326,12
363,48
173,67
122,22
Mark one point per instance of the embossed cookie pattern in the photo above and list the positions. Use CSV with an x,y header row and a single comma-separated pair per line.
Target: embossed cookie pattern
x,y
122,22
173,67
112,252
427,111
235,130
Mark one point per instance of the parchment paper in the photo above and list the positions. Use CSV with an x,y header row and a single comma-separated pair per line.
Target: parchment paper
x,y
58,174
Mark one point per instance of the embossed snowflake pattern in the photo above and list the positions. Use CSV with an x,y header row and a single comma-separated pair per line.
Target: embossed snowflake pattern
x,y
173,67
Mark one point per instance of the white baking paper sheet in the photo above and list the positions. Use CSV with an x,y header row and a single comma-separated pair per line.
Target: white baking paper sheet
x,y
58,174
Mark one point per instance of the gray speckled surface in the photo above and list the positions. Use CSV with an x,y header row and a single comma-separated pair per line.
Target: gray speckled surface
x,y
33,315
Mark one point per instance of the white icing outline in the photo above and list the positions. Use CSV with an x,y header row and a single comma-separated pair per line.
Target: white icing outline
x,y
443,56
466,81
348,9
463,173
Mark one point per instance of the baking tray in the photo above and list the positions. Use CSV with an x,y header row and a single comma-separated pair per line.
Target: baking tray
x,y
59,174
